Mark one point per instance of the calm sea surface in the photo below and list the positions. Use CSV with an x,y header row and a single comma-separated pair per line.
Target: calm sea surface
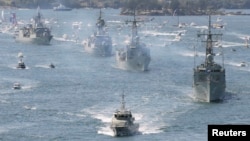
x,y
76,100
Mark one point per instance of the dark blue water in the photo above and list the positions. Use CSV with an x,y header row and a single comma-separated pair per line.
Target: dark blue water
x,y
76,100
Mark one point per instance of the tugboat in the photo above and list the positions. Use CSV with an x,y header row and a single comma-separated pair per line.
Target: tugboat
x,y
100,43
20,64
122,122
209,77
35,32
135,56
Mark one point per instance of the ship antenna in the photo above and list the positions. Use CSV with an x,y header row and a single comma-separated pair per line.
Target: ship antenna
x,y
209,39
100,23
100,16
209,25
209,43
134,28
134,38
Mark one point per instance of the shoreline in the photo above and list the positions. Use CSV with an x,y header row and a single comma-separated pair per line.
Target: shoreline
x,y
236,12
233,12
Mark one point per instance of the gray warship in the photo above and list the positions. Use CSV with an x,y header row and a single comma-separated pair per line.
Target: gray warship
x,y
100,43
122,122
36,32
209,77
135,56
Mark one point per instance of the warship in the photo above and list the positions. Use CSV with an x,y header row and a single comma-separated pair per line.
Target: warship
x,y
122,122
209,77
135,55
100,43
36,32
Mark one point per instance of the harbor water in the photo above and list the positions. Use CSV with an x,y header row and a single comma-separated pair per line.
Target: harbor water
x,y
76,99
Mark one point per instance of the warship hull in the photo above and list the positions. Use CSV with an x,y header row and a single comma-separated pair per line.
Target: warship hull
x,y
209,87
98,50
62,9
100,45
137,62
125,131
37,40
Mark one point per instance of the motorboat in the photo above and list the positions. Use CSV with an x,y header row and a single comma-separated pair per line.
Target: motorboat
x,y
122,123
20,64
16,85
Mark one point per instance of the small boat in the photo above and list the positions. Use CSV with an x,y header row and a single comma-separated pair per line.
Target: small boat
x,y
61,7
16,86
20,64
243,64
77,25
193,24
177,37
51,65
122,122
217,25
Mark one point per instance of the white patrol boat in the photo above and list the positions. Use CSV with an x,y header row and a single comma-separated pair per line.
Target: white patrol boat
x,y
122,122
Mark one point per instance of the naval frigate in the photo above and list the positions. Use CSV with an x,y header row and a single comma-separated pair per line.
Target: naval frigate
x,y
135,55
35,32
122,122
100,43
209,81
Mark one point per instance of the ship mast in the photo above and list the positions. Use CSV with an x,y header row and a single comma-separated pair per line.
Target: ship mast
x,y
209,61
123,103
134,36
134,28
209,45
100,24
